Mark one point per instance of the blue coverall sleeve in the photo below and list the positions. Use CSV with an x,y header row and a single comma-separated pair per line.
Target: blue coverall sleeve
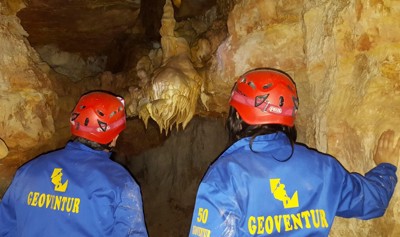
x,y
368,196
8,223
129,217
216,211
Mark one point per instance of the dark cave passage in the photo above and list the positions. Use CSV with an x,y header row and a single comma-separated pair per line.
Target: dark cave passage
x,y
170,168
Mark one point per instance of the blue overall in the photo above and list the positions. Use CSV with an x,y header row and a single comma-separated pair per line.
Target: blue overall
x,y
75,191
262,193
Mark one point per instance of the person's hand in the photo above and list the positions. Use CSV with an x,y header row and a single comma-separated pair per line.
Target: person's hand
x,y
386,151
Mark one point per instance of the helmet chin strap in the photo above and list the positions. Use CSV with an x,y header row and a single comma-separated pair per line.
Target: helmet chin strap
x,y
110,146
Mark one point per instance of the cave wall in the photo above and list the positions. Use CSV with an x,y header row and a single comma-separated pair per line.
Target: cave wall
x,y
24,87
343,55
27,97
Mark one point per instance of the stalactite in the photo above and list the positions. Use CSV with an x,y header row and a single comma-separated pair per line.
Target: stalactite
x,y
171,95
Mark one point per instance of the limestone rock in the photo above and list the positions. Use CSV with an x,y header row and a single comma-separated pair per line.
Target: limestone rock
x,y
3,149
26,98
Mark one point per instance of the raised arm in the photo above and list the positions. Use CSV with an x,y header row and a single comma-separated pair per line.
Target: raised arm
x,y
368,196
386,150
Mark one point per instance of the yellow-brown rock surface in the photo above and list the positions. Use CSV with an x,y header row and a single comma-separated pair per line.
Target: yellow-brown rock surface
x,y
27,100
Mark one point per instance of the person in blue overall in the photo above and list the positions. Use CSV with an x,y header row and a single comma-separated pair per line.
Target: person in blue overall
x,y
266,184
77,190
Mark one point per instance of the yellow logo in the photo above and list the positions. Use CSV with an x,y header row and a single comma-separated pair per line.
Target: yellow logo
x,y
55,202
56,179
279,192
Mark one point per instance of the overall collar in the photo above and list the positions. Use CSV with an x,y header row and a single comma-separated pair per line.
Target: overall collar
x,y
74,145
275,144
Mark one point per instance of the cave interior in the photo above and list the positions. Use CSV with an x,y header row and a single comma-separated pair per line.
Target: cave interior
x,y
174,62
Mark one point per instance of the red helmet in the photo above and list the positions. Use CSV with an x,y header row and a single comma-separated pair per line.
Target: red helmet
x,y
265,96
98,117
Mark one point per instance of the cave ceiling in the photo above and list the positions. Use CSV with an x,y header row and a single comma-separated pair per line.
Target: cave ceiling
x,y
98,27
84,39
79,26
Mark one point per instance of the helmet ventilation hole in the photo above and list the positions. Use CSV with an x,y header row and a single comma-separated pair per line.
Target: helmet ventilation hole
x,y
251,84
267,86
86,121
112,114
100,113
82,106
281,101
295,102
290,88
